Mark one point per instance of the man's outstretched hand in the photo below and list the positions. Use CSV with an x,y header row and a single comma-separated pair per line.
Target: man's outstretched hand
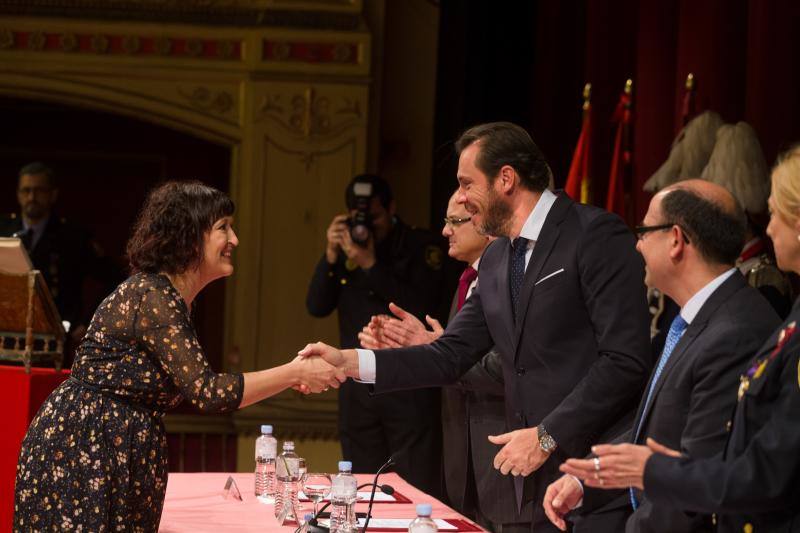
x,y
344,360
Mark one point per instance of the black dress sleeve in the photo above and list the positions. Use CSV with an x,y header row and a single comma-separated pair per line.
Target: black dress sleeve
x,y
162,325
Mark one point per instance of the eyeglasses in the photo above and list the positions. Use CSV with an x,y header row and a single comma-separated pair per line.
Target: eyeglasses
x,y
456,221
640,231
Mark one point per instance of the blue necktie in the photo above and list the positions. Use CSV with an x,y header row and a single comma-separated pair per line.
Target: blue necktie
x,y
676,330
519,247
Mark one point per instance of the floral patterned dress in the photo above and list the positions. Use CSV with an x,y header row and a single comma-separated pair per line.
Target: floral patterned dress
x,y
94,458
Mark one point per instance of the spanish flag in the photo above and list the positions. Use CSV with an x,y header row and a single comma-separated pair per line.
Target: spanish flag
x,y
578,181
622,158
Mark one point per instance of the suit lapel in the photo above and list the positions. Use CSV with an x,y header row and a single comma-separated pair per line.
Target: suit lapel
x,y
730,286
683,345
541,251
503,289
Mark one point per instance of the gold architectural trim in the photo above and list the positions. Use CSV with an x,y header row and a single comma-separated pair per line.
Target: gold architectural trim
x,y
308,114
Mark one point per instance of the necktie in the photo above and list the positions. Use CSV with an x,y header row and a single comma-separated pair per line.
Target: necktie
x,y
466,279
27,239
676,330
517,271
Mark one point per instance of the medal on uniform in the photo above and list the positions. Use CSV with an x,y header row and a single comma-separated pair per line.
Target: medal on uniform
x,y
744,384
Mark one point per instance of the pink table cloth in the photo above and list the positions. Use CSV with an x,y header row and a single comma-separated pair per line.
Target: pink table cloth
x,y
194,502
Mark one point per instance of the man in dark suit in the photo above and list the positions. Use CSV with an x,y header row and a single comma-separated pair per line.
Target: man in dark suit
x,y
472,408
691,238
560,295
63,252
396,263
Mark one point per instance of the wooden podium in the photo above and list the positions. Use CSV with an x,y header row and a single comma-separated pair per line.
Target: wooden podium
x,y
31,331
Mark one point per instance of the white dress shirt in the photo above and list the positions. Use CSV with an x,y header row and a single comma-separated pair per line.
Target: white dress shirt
x,y
530,230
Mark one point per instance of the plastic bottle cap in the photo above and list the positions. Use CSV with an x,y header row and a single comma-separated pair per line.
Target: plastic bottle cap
x,y
288,445
345,465
424,509
266,429
308,516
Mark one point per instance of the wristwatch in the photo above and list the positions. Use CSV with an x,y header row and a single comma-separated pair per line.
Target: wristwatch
x,y
546,442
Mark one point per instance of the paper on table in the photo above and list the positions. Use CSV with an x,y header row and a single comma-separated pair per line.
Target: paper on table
x,y
362,497
400,524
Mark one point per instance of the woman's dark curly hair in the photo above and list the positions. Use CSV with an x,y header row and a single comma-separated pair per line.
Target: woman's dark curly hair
x,y
169,233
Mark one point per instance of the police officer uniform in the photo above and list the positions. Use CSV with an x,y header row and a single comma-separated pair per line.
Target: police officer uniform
x,y
758,267
755,485
65,255
409,271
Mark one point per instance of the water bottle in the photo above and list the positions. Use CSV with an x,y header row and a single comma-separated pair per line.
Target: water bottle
x,y
423,523
266,449
343,500
289,469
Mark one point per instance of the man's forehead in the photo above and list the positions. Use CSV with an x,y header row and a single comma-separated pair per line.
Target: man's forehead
x,y
456,210
34,179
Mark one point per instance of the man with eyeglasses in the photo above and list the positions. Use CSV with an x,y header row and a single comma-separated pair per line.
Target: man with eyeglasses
x,y
62,251
560,296
690,239
472,408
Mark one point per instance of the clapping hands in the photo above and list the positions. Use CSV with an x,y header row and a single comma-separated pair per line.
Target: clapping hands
x,y
402,329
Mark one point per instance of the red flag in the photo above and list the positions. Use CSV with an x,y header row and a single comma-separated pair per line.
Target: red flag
x,y
621,160
578,181
688,104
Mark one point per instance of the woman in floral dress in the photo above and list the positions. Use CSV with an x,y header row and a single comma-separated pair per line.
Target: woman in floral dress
x,y
95,457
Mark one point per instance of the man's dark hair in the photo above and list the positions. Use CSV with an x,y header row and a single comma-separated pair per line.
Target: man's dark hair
x,y
169,233
504,143
380,189
716,233
37,168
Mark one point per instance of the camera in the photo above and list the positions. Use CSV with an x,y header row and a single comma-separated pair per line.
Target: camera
x,y
360,223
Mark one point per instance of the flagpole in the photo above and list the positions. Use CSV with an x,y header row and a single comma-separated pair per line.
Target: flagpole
x,y
587,109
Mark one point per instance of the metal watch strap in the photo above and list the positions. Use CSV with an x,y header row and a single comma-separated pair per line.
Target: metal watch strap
x,y
546,442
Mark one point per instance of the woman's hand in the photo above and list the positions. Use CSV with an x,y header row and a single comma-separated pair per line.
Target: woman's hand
x,y
616,466
315,375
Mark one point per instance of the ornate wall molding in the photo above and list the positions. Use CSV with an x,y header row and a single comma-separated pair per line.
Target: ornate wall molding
x,y
340,15
311,114
312,52
120,44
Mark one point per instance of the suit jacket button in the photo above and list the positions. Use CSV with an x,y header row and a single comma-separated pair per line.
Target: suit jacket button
x,y
728,426
520,371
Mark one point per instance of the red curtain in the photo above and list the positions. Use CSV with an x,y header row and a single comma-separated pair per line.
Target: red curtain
x,y
742,53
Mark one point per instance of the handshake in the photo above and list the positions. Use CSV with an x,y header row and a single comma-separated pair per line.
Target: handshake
x,y
319,366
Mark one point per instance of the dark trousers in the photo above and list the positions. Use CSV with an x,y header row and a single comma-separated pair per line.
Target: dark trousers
x,y
405,425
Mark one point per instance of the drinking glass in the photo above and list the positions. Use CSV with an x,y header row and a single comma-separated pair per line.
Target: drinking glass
x,y
316,486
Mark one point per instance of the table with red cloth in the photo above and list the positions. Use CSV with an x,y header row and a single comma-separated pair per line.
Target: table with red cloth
x,y
195,502
21,395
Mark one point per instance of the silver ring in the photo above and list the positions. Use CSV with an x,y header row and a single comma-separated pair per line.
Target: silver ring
x,y
325,389
596,462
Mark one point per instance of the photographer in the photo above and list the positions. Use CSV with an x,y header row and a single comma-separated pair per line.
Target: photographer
x,y
392,263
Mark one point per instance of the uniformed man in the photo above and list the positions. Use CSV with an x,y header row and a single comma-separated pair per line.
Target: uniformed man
x,y
393,263
63,252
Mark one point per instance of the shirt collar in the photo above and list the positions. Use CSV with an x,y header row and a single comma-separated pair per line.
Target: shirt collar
x,y
476,263
38,227
533,225
692,307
